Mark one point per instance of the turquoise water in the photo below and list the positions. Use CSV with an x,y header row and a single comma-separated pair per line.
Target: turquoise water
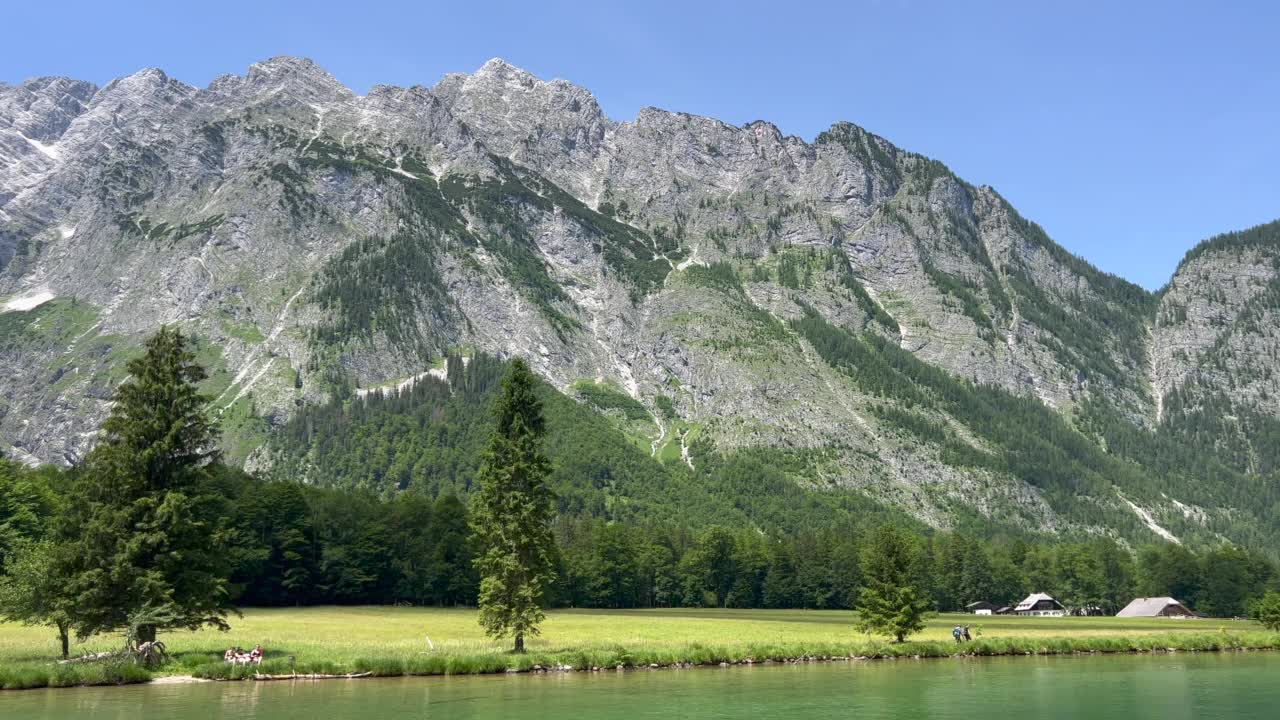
x,y
1163,687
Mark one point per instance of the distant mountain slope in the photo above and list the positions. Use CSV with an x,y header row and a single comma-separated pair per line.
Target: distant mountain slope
x,y
704,285
1217,345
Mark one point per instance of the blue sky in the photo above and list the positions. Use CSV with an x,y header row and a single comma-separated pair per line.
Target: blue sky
x,y
1129,130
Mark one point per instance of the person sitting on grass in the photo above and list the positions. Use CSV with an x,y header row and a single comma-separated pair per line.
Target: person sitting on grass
x,y
237,656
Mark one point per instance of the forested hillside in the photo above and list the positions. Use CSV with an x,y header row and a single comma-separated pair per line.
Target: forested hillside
x,y
427,440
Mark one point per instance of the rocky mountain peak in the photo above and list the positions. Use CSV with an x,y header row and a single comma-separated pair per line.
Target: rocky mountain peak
x,y
285,77
763,129
501,68
52,87
286,69
512,103
138,94
42,108
33,118
144,80
540,123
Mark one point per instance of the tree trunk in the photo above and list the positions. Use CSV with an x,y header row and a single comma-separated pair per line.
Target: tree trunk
x,y
519,650
65,639
146,633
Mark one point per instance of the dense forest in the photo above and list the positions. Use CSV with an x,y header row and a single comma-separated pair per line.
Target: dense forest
x,y
292,544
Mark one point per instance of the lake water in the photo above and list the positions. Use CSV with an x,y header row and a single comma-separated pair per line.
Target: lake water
x,y
1164,687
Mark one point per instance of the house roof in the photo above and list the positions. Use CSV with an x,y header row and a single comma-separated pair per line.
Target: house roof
x,y
1148,607
1034,598
980,604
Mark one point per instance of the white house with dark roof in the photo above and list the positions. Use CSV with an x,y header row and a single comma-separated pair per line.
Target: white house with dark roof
x,y
1040,605
1156,607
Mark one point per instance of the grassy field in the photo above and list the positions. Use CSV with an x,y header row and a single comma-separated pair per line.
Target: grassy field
x,y
393,641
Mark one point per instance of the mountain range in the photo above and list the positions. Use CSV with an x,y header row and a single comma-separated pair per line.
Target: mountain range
x,y
873,323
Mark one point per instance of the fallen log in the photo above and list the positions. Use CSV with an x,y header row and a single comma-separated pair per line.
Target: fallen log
x,y
92,657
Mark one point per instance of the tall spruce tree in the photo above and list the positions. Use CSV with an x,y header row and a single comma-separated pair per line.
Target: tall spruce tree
x,y
143,534
511,515
890,601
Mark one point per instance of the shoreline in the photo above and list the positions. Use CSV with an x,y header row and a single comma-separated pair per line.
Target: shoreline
x,y
619,659
747,662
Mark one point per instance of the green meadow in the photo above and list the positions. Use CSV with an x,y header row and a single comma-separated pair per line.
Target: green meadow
x,y
434,641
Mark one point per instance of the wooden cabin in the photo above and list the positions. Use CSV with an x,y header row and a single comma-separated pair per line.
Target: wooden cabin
x,y
1040,605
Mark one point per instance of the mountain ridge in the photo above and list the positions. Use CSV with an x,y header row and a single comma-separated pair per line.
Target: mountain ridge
x,y
316,241
502,65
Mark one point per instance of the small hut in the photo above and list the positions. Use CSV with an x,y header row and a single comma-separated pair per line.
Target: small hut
x,y
1156,607
982,607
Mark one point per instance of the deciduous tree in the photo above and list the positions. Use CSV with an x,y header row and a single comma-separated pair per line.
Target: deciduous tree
x,y
31,592
1266,610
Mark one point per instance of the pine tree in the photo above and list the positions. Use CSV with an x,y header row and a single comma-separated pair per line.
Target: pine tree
x,y
143,534
511,515
890,601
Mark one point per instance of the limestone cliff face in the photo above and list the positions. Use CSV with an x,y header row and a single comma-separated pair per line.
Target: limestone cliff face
x,y
33,116
314,239
954,261
1216,339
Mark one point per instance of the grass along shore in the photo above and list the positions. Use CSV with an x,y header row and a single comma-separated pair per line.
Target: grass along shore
x,y
386,641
